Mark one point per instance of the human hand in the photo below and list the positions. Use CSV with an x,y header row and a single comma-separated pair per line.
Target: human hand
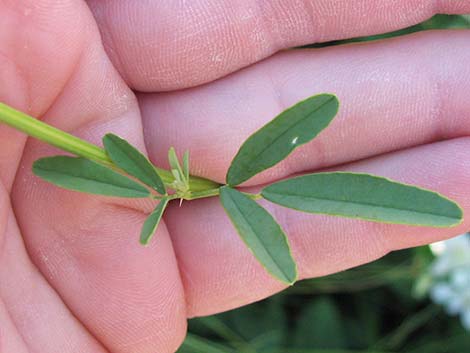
x,y
73,275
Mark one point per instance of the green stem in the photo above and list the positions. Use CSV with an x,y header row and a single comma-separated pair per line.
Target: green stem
x,y
194,195
215,192
67,142
254,196
55,137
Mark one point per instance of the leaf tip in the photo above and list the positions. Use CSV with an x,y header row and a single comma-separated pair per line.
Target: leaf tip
x,y
36,165
108,137
334,99
291,281
460,219
171,151
144,242
293,277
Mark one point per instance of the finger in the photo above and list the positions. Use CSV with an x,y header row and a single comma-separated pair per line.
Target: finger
x,y
394,94
34,65
10,339
167,45
129,297
32,315
219,273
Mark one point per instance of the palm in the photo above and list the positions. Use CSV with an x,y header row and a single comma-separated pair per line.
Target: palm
x,y
74,279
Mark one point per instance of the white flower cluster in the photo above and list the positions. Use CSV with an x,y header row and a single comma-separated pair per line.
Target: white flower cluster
x,y
450,273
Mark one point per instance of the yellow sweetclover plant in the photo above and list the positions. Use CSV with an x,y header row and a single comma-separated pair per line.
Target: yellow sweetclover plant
x,y
120,170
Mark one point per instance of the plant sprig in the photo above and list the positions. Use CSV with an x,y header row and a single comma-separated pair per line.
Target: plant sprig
x,y
121,170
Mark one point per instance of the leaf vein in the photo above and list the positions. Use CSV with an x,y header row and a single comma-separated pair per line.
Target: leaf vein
x,y
362,204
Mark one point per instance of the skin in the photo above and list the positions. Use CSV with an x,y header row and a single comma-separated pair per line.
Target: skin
x,y
203,75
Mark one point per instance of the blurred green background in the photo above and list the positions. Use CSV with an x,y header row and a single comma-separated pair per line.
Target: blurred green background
x,y
375,308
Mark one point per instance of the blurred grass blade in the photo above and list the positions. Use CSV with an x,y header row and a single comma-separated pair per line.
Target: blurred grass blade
x,y
318,332
83,175
397,338
196,344
133,162
366,197
261,233
152,222
276,140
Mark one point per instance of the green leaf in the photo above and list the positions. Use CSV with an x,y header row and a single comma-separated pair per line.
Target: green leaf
x,y
133,162
186,165
175,164
261,233
366,197
276,140
83,175
151,223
